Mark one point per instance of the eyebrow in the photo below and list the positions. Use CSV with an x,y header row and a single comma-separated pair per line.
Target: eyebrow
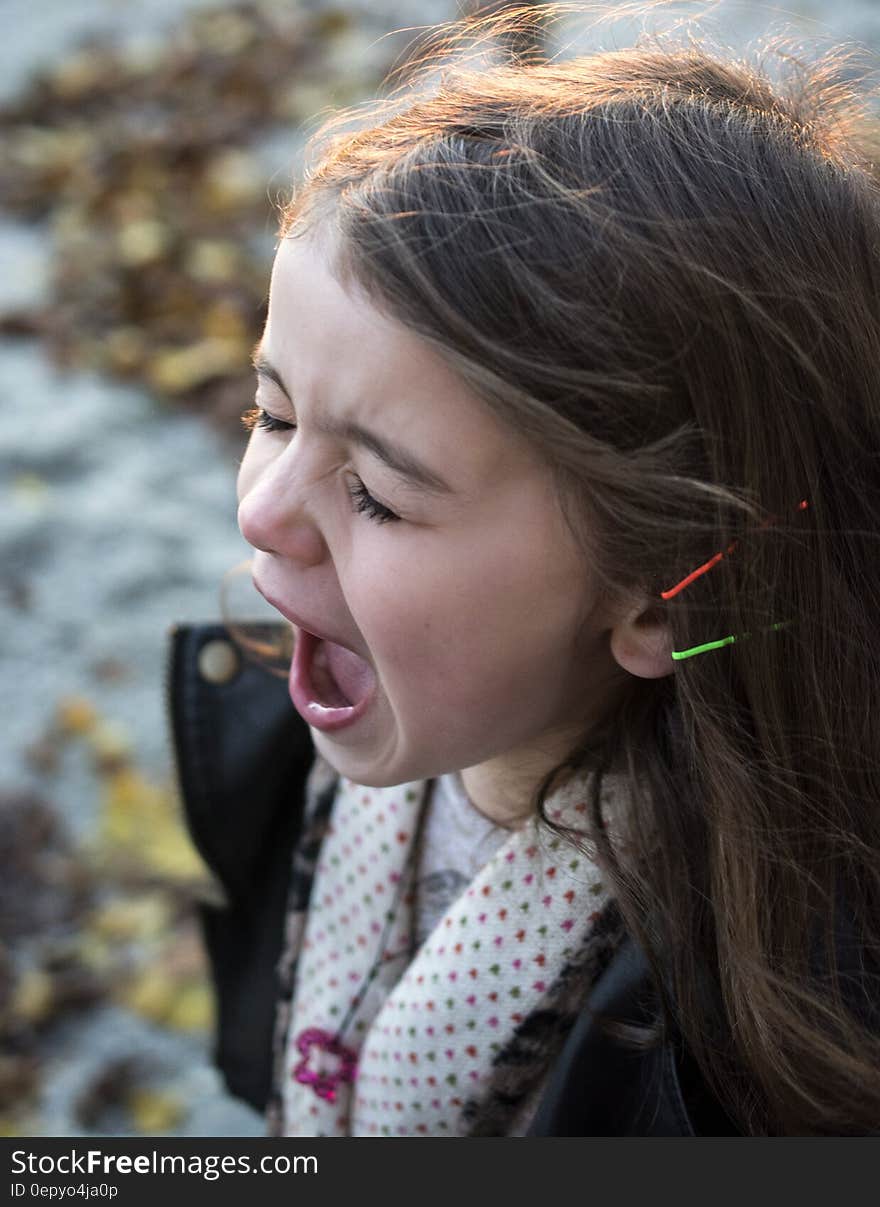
x,y
393,455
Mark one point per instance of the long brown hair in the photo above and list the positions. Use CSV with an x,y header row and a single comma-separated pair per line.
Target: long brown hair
x,y
660,266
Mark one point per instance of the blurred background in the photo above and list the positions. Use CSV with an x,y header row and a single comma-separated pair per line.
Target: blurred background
x,y
144,147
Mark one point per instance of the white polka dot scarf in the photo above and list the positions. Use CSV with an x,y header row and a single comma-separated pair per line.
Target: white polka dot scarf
x,y
445,1040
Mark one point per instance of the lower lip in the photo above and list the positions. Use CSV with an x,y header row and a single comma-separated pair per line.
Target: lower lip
x,y
303,694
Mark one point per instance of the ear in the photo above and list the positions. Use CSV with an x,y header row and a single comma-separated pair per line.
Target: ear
x,y
641,643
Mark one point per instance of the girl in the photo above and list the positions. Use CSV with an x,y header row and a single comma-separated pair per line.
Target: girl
x,y
563,470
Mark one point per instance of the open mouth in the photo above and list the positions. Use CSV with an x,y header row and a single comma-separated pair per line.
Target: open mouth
x,y
330,685
328,690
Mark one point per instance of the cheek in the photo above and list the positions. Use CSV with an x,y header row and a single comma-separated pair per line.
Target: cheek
x,y
403,607
461,628
396,607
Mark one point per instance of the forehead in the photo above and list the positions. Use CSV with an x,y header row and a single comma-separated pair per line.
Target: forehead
x,y
342,356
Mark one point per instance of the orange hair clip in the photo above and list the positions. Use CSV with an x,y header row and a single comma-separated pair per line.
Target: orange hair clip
x,y
713,561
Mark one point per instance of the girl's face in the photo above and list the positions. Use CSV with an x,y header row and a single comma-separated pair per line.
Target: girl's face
x,y
469,605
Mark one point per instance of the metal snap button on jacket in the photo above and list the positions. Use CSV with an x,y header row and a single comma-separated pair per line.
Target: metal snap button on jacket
x,y
218,662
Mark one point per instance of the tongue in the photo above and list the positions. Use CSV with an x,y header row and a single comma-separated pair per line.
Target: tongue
x,y
354,676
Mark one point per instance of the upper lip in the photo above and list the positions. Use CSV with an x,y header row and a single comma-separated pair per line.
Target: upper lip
x,y
297,620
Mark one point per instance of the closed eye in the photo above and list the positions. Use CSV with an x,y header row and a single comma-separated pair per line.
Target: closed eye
x,y
257,417
361,499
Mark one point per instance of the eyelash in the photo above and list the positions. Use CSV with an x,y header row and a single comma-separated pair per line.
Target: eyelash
x,y
361,498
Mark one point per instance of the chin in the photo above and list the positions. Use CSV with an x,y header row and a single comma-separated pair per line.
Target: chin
x,y
357,770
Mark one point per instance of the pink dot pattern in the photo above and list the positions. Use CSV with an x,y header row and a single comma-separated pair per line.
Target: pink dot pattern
x,y
429,1027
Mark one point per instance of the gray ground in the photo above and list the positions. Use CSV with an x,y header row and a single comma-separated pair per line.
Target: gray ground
x,y
118,518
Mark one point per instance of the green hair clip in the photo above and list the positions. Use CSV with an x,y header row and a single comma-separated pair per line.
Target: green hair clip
x,y
715,645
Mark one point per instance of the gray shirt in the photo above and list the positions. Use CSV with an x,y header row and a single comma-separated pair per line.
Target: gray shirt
x,y
457,841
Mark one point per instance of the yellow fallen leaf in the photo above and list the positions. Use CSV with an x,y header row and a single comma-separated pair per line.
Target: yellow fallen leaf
x,y
224,321
143,917
213,260
33,996
141,54
176,370
40,149
185,1005
80,72
169,853
193,1008
141,825
125,348
111,742
75,715
154,1110
142,242
233,180
10,1126
151,994
93,951
129,799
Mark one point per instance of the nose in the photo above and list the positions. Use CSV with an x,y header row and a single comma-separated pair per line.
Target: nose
x,y
273,515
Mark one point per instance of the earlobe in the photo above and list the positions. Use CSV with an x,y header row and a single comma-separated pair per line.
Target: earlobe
x,y
642,645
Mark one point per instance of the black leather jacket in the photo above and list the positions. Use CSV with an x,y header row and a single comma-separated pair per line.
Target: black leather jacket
x,y
242,755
